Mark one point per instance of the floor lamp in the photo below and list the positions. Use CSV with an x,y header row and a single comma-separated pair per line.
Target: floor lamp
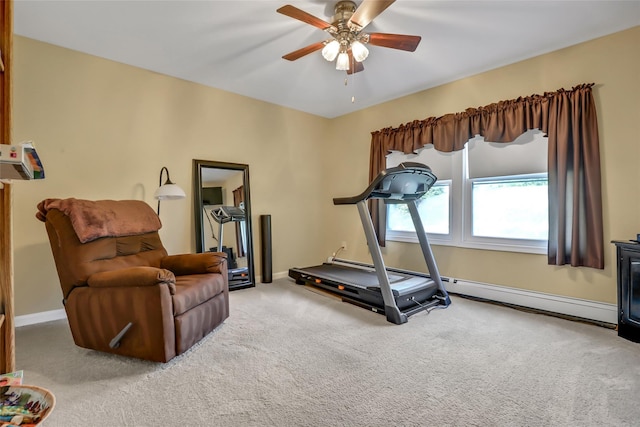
x,y
168,190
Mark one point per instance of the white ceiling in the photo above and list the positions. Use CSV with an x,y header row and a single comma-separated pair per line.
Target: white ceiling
x,y
237,45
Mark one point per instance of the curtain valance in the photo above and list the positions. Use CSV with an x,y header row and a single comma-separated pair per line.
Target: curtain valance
x,y
567,117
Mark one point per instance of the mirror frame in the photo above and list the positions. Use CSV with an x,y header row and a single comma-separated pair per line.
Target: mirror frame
x,y
198,165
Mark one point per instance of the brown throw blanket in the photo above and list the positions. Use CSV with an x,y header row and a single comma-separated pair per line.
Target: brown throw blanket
x,y
103,218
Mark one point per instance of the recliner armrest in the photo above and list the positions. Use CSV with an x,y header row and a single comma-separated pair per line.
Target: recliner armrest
x,y
182,265
133,276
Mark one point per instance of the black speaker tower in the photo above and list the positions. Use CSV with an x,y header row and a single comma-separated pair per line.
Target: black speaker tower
x,y
265,245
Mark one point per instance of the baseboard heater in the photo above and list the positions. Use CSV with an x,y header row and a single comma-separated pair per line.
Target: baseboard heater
x,y
600,313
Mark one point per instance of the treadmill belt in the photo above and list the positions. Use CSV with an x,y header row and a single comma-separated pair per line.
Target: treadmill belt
x,y
355,277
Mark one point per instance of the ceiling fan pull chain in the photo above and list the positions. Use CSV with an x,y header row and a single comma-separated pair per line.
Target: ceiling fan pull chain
x,y
353,82
353,88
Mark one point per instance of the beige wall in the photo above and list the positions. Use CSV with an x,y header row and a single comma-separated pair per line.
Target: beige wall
x,y
612,62
105,129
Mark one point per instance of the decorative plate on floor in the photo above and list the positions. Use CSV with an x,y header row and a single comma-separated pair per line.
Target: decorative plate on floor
x,y
24,405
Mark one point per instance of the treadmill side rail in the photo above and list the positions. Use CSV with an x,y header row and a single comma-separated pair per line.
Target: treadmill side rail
x,y
391,309
427,253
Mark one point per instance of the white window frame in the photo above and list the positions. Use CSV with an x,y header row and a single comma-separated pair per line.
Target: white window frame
x,y
460,218
498,243
410,236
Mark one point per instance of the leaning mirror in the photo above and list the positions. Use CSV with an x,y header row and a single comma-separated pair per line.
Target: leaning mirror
x,y
222,208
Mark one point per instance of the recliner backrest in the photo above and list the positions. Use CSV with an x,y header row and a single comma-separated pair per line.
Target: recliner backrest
x,y
76,261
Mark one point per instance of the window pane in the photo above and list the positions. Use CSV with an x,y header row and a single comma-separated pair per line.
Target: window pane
x,y
440,163
527,154
433,208
510,208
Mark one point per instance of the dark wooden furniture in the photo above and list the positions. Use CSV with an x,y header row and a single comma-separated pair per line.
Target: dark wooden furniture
x,y
628,256
7,329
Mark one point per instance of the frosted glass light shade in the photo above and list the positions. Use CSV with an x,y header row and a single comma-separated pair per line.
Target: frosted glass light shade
x,y
330,50
360,52
343,62
169,192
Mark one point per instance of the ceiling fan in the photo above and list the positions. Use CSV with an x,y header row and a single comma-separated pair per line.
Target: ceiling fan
x,y
347,42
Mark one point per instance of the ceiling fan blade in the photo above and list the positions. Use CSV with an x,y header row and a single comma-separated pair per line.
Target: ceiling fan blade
x,y
301,15
354,66
367,11
395,41
304,51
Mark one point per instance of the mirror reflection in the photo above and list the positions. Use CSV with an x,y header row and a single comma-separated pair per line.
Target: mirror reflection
x,y
223,216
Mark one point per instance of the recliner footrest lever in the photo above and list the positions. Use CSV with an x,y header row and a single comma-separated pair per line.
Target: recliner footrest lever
x,y
115,342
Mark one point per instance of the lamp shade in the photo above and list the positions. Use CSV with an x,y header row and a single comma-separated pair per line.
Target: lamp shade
x,y
330,51
360,52
169,192
343,61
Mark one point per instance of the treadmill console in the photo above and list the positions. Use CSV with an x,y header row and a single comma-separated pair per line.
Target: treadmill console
x,y
225,214
407,181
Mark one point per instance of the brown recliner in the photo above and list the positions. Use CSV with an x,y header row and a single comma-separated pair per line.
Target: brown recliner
x,y
122,293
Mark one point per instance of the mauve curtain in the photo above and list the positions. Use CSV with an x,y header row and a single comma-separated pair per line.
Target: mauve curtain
x,y
568,118
238,197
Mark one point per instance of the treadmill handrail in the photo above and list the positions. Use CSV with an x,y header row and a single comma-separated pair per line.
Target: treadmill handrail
x,y
225,214
423,174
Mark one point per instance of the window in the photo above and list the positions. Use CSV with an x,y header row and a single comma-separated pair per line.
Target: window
x,y
433,207
488,196
513,207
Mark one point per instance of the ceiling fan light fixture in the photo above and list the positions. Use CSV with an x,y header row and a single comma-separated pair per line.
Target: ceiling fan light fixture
x,y
330,50
342,63
347,44
360,52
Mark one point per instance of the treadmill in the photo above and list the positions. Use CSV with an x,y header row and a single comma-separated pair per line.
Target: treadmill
x,y
395,293
223,215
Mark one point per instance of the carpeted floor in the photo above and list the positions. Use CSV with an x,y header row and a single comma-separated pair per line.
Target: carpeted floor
x,y
288,356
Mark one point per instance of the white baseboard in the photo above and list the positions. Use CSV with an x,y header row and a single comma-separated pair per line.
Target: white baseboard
x,y
274,276
281,275
42,317
49,316
586,309
592,310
